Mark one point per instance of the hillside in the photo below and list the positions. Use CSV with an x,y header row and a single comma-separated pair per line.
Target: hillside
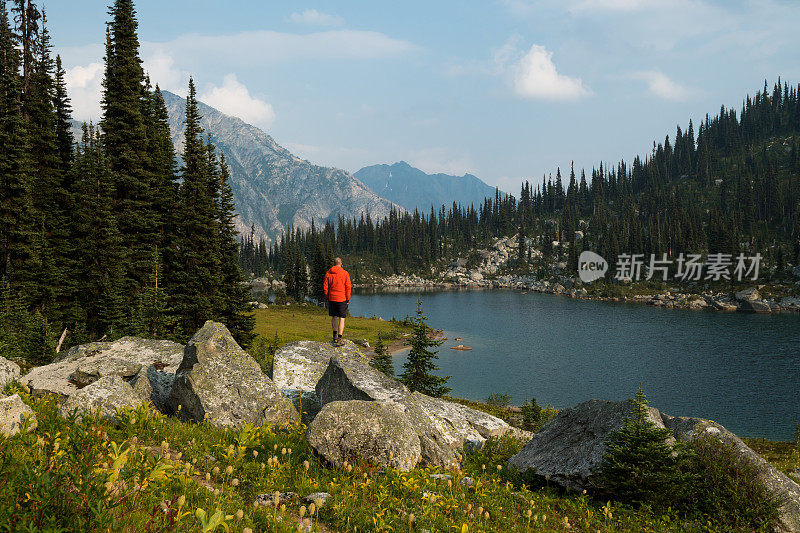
x,y
414,189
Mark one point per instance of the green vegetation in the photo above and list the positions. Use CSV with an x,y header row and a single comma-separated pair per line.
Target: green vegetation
x,y
383,359
419,366
309,322
105,237
704,478
149,472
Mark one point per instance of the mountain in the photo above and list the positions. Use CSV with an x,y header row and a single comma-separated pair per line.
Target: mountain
x,y
272,187
414,189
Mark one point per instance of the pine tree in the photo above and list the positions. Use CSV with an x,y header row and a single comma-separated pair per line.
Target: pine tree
x,y
97,237
63,108
383,359
234,294
125,141
639,465
417,370
16,212
195,273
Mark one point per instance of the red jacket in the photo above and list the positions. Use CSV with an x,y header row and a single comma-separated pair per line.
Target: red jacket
x,y
337,284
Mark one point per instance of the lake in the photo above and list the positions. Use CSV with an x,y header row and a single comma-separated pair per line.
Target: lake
x,y
740,370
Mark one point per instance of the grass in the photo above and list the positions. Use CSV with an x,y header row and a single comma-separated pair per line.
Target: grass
x,y
309,322
148,472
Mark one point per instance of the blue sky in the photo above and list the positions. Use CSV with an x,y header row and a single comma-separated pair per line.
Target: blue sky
x,y
504,89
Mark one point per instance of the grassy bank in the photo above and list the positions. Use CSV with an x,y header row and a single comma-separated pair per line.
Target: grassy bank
x,y
153,473
309,322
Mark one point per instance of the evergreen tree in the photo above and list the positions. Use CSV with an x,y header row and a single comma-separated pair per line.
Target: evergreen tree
x,y
125,141
383,359
63,108
420,365
195,274
639,465
234,294
16,212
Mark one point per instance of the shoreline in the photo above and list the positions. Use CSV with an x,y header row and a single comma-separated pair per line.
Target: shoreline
x,y
746,301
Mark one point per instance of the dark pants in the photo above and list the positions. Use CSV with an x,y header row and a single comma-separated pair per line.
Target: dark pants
x,y
337,309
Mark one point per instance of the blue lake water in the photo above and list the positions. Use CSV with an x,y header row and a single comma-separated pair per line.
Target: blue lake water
x,y
740,370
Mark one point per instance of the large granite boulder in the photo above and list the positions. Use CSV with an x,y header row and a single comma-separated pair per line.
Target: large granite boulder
x,y
298,366
364,430
569,449
444,428
9,371
748,294
217,380
13,413
148,364
104,396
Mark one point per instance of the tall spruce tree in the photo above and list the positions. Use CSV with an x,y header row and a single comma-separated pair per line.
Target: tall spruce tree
x,y
195,273
383,359
124,127
420,365
16,213
234,294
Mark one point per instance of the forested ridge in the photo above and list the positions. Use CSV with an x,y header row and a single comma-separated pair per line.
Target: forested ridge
x,y
728,185
105,236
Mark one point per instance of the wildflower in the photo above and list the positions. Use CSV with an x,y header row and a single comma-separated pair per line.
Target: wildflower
x,y
263,466
239,514
499,467
311,509
235,482
484,467
318,502
255,454
229,470
566,522
194,461
216,492
306,464
528,514
302,511
179,455
276,448
255,504
486,515
208,476
283,507
247,530
180,407
411,518
449,483
165,445
216,470
480,511
283,451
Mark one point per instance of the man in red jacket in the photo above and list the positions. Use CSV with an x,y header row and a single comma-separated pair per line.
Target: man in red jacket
x,y
337,290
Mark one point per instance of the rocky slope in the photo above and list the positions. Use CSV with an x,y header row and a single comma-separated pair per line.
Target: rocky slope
x,y
414,189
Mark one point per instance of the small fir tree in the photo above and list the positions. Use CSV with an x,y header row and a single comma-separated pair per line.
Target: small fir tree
x,y
383,359
418,369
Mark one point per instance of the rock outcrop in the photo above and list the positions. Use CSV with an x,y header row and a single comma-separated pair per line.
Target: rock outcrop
x,y
217,380
13,414
149,365
298,366
443,428
569,449
104,396
364,430
9,371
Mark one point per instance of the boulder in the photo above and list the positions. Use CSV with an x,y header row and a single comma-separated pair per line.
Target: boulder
x,y
218,380
106,396
719,304
443,427
9,371
13,413
754,306
569,449
298,366
747,295
133,358
365,430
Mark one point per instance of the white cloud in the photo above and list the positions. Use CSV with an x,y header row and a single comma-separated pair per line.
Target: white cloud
x,y
660,85
160,66
85,89
233,98
612,5
312,17
535,76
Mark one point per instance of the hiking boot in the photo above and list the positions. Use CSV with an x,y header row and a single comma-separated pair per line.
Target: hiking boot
x,y
340,342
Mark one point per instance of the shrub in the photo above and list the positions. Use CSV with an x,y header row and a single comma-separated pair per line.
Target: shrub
x,y
499,399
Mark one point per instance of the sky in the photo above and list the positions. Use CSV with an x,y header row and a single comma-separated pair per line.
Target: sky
x,y
508,90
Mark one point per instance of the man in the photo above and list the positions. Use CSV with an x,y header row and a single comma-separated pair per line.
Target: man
x,y
337,291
